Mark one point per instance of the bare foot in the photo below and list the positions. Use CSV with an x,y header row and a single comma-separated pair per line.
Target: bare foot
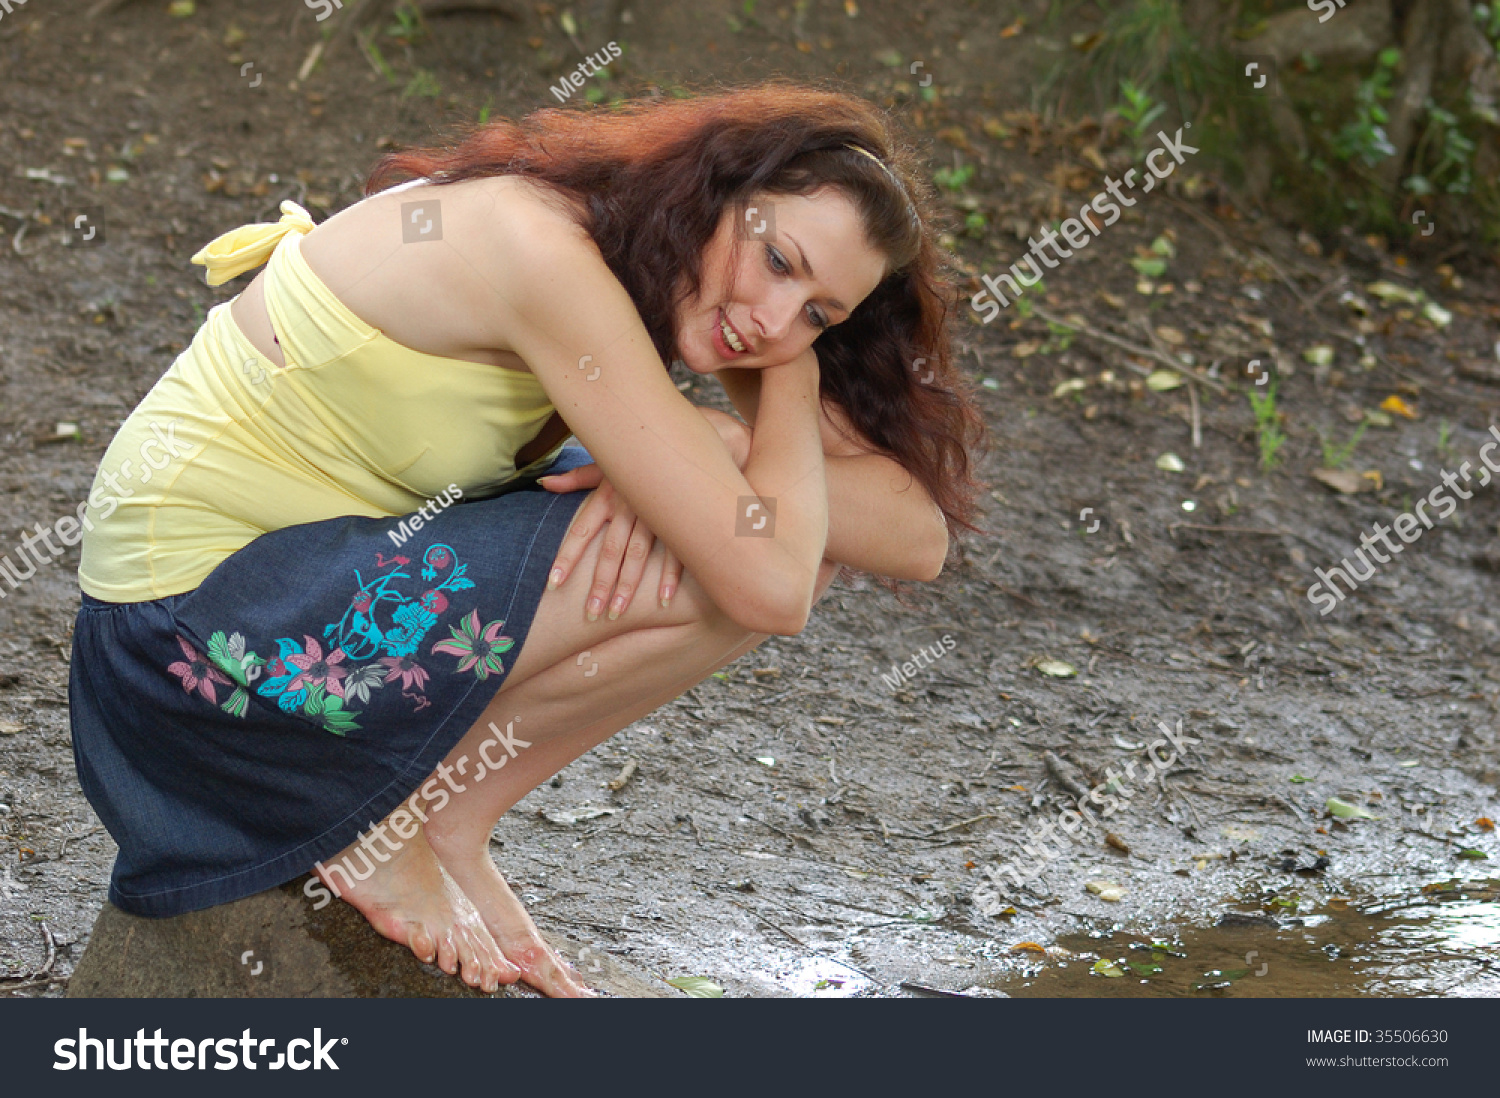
x,y
508,921
412,901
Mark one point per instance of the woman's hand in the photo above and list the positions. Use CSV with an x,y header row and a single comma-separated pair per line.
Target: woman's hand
x,y
628,541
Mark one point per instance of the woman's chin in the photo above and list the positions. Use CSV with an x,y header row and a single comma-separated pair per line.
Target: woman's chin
x,y
702,364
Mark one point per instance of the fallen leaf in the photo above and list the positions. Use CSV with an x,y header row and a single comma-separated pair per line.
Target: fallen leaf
x,y
1027,947
1025,349
1115,841
1107,968
1477,855
1389,291
698,987
1072,385
1395,404
1345,811
1298,779
1149,267
1057,669
1108,891
1439,316
1163,246
8,728
1014,29
1319,354
1170,462
1164,381
1346,481
1171,335
765,760
1484,823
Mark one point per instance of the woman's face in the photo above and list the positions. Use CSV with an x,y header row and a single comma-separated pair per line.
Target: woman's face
x,y
802,265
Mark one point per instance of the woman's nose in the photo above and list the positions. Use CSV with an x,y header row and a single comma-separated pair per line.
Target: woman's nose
x,y
775,317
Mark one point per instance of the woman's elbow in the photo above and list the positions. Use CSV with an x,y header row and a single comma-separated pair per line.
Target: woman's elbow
x,y
928,562
780,610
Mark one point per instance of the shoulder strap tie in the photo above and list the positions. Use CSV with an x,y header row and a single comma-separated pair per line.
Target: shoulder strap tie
x,y
247,247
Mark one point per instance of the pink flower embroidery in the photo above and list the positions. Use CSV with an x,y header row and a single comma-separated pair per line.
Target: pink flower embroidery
x,y
196,672
315,670
478,649
407,669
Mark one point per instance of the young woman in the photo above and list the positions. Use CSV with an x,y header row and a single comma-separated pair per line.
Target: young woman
x,y
331,623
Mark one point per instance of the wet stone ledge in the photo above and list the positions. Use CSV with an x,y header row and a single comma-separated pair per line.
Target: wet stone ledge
x,y
274,945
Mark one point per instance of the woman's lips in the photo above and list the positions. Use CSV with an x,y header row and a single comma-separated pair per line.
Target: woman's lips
x,y
724,349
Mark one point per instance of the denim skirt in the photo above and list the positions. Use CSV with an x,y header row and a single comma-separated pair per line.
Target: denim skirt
x,y
231,736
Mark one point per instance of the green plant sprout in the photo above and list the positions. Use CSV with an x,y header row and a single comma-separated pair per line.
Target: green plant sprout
x,y
953,179
1336,457
1268,433
1365,138
1140,110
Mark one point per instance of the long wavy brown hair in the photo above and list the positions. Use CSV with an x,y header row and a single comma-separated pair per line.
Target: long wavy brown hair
x,y
654,178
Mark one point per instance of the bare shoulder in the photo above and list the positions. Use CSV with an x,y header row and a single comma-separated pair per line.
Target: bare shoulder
x,y
434,266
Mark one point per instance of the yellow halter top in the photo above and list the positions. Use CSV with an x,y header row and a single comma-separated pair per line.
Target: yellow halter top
x,y
227,446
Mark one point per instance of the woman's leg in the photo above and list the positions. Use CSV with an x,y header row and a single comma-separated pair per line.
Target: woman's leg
x,y
574,684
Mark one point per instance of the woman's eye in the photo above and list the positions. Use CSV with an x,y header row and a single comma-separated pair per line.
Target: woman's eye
x,y
778,261
816,318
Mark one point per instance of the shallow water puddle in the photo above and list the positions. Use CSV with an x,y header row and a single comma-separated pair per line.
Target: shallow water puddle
x,y
1443,941
822,978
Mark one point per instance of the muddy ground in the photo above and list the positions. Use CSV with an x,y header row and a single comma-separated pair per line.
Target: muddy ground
x,y
799,825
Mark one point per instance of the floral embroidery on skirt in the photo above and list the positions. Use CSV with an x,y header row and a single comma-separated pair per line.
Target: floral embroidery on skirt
x,y
374,644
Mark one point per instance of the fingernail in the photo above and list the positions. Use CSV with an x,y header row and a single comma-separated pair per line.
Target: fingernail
x,y
667,595
594,609
554,579
617,608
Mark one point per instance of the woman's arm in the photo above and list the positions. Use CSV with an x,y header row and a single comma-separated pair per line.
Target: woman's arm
x,y
880,519
627,541
558,306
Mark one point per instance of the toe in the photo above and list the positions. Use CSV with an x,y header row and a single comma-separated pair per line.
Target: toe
x,y
447,958
420,943
545,971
